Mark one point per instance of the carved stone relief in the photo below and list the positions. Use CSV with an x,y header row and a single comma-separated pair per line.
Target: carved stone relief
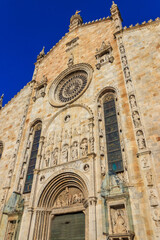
x,y
118,220
68,197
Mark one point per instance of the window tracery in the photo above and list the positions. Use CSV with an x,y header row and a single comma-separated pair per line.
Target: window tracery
x,y
33,157
114,153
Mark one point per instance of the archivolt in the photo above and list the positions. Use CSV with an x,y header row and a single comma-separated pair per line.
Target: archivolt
x,y
58,184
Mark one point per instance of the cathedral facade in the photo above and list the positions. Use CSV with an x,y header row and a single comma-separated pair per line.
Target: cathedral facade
x,y
80,143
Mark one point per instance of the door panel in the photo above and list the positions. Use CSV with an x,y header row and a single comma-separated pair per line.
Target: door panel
x,y
68,227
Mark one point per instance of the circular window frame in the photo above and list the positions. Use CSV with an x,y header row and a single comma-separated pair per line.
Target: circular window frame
x,y
75,68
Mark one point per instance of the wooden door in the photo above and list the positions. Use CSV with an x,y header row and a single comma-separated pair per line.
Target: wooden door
x,y
68,227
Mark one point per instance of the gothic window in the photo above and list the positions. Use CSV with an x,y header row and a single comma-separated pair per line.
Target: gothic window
x,y
33,157
114,154
1,149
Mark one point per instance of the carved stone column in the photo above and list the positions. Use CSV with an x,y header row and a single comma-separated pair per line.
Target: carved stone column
x,y
92,218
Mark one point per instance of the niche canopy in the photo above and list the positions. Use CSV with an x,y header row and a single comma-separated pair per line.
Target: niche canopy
x,y
70,85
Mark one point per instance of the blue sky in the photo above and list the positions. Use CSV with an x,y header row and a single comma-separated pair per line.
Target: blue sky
x,y
27,26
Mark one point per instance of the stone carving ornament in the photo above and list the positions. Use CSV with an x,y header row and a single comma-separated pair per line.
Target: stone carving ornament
x,y
68,197
118,221
156,217
84,147
70,84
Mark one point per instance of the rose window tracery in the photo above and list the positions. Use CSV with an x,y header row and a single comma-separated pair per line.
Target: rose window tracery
x,y
70,85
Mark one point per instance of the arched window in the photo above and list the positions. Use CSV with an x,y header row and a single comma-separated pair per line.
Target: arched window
x,y
114,154
33,157
1,149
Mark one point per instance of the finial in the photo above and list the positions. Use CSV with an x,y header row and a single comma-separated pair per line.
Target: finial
x,y
41,54
77,11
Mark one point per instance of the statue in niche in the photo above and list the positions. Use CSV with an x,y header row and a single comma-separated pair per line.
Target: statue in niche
x,y
136,119
129,85
126,72
121,48
124,60
118,221
156,217
47,158
74,151
149,178
140,140
153,199
120,40
132,101
145,162
55,157
65,153
22,173
84,147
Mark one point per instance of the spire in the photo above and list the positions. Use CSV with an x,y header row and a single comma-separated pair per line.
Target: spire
x,y
1,101
75,21
116,16
41,54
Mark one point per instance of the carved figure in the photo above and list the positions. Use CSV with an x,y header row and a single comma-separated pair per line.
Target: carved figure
x,y
74,151
65,153
149,178
140,140
132,101
119,221
84,147
129,85
136,119
145,162
156,217
153,199
47,159
55,157
121,48
126,72
124,60
86,167
68,197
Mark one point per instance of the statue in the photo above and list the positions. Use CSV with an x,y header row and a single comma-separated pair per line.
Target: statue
x,y
55,157
74,151
118,220
136,119
65,153
84,147
133,101
156,217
